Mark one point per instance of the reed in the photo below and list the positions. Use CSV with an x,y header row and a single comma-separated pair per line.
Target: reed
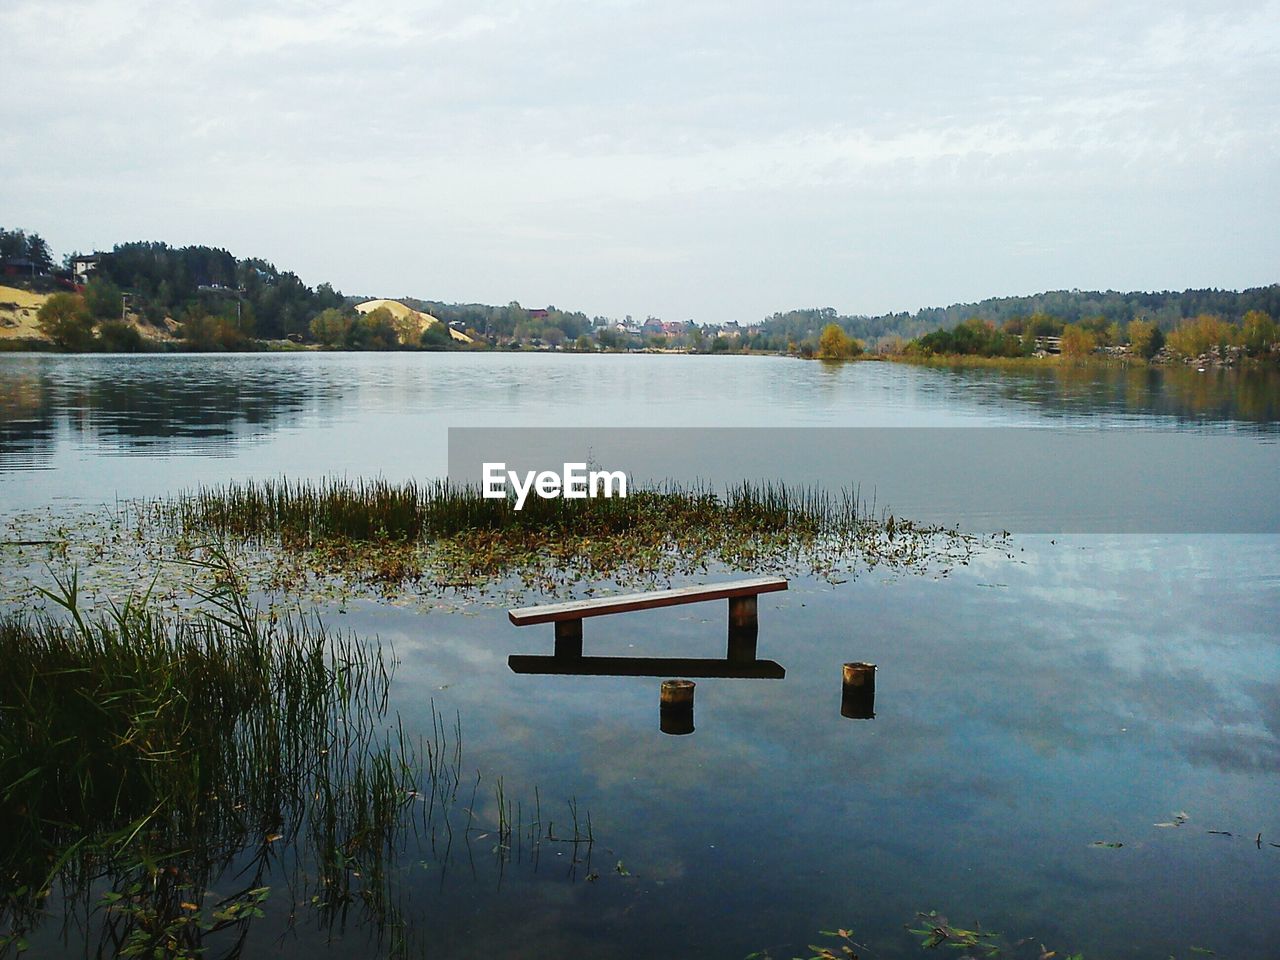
x,y
141,755
148,758
304,513
450,536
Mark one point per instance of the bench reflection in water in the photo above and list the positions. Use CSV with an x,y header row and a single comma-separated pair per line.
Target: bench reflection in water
x,y
675,709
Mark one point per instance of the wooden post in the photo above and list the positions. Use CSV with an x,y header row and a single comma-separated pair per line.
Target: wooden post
x,y
569,638
858,695
675,707
744,627
743,611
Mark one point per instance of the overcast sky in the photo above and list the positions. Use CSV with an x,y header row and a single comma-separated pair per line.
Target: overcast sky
x,y
689,159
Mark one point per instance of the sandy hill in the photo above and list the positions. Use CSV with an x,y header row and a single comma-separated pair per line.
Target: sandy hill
x,y
18,310
400,311
18,321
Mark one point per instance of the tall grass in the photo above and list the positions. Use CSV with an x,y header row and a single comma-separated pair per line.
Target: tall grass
x,y
307,512
147,759
439,533
144,754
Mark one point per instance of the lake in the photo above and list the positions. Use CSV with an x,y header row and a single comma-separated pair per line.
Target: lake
x,y
1039,712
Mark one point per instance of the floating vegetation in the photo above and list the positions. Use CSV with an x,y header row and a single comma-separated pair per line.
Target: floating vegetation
x,y
155,769
437,544
933,931
442,537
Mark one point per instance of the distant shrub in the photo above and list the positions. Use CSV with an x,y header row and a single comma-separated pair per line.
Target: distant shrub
x,y
116,336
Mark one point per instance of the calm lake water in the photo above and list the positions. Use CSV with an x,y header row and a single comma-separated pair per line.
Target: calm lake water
x,y
1034,708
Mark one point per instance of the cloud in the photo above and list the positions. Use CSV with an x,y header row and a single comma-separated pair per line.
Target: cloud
x,y
746,128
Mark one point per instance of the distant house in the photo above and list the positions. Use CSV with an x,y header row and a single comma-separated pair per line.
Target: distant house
x,y
539,314
18,267
84,264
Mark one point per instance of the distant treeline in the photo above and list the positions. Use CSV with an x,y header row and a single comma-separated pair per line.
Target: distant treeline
x,y
202,283
1166,310
1208,336
222,302
512,322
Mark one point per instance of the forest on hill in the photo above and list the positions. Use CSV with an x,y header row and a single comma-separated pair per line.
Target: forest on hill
x,y
214,300
1166,309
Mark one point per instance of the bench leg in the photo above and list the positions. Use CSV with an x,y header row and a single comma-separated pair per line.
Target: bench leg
x,y
568,638
743,629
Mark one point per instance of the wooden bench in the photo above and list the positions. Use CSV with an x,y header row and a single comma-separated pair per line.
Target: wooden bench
x,y
741,594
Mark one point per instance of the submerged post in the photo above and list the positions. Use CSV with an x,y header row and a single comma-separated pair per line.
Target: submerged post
x,y
743,629
858,694
568,638
675,707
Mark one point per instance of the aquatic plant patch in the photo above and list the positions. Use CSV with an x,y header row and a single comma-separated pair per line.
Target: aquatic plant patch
x,y
161,776
437,544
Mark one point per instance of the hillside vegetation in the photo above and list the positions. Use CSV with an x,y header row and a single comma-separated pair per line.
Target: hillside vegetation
x,y
203,298
1166,309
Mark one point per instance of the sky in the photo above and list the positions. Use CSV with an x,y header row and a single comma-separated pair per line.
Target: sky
x,y
707,160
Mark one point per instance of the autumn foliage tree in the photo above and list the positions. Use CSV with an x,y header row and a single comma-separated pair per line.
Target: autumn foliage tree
x,y
374,330
1198,336
408,327
835,344
1145,338
1077,341
1259,333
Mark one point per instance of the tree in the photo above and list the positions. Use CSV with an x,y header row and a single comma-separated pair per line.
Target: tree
x,y
104,300
13,244
1077,341
64,318
408,328
1196,337
435,337
835,344
38,253
1145,338
331,326
205,331
374,330
1259,332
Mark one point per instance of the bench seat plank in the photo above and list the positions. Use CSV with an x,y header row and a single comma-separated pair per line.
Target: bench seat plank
x,y
578,609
